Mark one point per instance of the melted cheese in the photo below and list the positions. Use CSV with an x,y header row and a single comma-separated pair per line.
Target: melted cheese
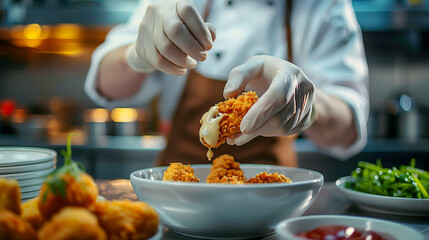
x,y
209,131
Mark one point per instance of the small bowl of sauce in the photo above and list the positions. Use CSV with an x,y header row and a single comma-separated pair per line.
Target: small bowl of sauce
x,y
340,232
339,227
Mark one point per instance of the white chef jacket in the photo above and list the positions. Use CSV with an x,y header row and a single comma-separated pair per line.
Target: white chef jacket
x,y
326,44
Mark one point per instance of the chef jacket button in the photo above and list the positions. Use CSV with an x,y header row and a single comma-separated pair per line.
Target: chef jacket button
x,y
229,2
218,55
270,3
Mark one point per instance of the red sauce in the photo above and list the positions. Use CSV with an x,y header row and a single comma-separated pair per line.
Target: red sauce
x,y
338,232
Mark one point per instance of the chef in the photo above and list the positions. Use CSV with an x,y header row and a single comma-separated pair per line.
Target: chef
x,y
304,58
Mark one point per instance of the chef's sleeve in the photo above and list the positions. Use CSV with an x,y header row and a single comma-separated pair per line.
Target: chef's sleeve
x,y
118,36
334,59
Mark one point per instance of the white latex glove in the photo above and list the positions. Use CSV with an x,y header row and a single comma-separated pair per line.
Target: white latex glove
x,y
285,99
172,36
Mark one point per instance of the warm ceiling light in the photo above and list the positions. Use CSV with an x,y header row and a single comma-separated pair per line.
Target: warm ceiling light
x,y
67,31
33,31
97,115
124,115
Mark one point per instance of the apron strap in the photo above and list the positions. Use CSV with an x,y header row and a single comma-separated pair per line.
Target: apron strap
x,y
207,9
288,30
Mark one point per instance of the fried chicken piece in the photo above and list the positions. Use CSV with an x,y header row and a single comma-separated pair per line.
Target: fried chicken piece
x,y
10,195
178,172
225,165
78,191
72,223
30,212
265,177
12,227
123,220
229,180
223,120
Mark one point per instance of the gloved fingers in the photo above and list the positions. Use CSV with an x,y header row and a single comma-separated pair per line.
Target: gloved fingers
x,y
241,75
161,63
180,35
195,24
272,128
241,139
213,30
301,125
275,99
169,50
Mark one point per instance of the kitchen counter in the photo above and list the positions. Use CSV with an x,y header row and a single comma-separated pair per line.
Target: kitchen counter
x,y
329,201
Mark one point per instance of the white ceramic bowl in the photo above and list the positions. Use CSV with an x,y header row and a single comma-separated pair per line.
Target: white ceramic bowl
x,y
384,204
220,211
287,229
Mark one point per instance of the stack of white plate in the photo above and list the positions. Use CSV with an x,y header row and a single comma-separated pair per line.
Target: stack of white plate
x,y
29,166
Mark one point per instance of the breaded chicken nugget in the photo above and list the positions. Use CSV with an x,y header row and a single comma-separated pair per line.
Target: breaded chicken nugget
x,y
68,185
30,212
177,172
224,119
265,177
229,180
123,220
10,195
12,227
72,223
225,165
70,190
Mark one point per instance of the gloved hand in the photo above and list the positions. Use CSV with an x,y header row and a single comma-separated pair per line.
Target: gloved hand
x,y
172,36
285,99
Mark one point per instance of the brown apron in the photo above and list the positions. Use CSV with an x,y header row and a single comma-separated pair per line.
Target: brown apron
x,y
183,144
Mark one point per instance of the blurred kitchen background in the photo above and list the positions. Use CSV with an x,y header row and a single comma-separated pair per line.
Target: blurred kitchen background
x,y
45,50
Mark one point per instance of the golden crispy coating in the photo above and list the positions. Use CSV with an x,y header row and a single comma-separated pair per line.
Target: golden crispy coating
x,y
10,195
265,177
123,220
12,227
177,172
233,111
72,223
79,192
229,180
225,165
30,212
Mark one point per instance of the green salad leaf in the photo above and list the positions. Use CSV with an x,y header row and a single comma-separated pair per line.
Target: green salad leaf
x,y
405,181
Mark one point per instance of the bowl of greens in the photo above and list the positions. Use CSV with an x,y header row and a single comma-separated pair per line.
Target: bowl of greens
x,y
401,191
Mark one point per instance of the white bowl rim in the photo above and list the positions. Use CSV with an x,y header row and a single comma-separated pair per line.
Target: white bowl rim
x,y
51,155
281,225
319,178
340,184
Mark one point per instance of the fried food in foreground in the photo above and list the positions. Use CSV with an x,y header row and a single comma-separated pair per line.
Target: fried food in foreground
x,y
79,191
12,227
178,172
223,120
10,195
225,165
123,220
265,177
72,223
30,212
